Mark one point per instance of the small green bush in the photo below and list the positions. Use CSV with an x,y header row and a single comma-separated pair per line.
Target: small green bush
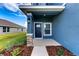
x,y
16,52
60,52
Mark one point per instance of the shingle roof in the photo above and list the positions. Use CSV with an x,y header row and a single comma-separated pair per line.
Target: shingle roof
x,y
9,24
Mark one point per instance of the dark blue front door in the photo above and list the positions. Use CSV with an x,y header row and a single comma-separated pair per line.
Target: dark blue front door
x,y
38,30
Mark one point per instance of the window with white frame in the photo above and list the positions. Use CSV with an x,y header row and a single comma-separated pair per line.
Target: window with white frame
x,y
6,29
47,29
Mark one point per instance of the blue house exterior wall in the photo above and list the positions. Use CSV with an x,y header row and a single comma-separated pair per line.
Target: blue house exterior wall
x,y
66,28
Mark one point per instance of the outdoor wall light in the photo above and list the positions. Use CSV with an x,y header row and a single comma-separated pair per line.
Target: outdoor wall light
x,y
44,14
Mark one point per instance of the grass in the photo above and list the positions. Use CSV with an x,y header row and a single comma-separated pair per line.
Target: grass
x,y
12,39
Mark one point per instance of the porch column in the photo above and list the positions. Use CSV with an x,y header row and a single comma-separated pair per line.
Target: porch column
x,y
29,30
29,23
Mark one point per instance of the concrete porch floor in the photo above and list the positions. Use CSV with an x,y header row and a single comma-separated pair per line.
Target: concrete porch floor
x,y
44,42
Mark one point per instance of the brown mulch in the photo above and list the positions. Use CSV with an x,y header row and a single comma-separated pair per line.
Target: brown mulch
x,y
52,51
25,50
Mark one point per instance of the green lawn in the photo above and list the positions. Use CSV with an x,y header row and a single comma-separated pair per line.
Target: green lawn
x,y
11,39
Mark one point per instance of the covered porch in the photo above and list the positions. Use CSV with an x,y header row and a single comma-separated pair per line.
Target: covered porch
x,y
40,21
39,17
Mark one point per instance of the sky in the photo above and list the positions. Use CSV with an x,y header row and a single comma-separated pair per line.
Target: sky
x,y
12,13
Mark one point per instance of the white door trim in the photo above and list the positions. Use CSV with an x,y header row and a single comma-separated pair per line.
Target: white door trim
x,y
41,30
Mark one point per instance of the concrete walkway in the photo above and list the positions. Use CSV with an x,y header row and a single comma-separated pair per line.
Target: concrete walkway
x,y
39,51
40,46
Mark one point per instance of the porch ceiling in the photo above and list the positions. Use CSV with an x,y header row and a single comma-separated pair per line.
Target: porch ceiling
x,y
42,10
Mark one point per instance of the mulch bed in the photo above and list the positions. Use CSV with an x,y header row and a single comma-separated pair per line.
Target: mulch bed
x,y
25,50
52,51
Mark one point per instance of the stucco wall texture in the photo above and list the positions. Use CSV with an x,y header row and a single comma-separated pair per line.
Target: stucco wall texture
x,y
66,27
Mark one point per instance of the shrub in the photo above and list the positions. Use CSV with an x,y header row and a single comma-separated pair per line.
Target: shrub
x,y
16,52
60,52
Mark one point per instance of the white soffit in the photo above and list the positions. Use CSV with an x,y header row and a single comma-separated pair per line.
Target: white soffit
x,y
43,8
